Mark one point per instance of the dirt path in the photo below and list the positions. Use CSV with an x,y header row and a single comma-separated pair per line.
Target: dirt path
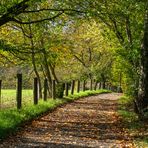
x,y
88,122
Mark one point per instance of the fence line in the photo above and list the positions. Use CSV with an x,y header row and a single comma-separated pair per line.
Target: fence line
x,y
78,86
66,89
53,89
45,89
84,85
20,93
35,91
72,87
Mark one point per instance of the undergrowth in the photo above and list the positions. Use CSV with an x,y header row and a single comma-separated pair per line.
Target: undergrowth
x,y
12,119
137,129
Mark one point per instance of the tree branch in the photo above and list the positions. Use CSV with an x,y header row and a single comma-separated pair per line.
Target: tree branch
x,y
82,62
17,56
128,30
37,21
52,9
13,12
117,32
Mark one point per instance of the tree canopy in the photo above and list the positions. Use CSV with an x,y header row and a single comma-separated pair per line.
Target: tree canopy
x,y
104,40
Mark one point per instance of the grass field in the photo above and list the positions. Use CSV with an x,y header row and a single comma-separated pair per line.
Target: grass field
x,y
8,97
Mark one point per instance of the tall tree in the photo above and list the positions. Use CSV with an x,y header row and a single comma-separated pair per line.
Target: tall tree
x,y
142,101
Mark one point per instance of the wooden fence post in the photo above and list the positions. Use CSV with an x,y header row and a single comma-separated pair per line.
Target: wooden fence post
x,y
91,83
96,83
35,91
19,91
66,89
0,92
53,89
84,85
72,87
78,86
45,89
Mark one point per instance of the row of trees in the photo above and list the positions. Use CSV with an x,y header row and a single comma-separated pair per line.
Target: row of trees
x,y
106,40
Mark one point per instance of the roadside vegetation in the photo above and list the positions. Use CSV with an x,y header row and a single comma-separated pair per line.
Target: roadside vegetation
x,y
8,98
137,128
101,41
12,119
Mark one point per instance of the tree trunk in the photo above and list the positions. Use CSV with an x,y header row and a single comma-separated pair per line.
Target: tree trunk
x,y
34,63
47,71
45,76
103,81
52,69
37,75
142,100
96,83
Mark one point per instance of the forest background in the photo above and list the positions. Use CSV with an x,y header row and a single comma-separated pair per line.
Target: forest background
x,y
105,40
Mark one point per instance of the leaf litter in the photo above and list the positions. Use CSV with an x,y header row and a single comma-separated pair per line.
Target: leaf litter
x,y
90,122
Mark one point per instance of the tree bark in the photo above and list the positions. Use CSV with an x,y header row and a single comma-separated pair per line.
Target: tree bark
x,y
13,11
34,63
142,100
103,81
47,71
96,83
37,75
52,69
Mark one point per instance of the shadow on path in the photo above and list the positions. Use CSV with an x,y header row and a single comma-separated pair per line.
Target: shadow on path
x,y
88,122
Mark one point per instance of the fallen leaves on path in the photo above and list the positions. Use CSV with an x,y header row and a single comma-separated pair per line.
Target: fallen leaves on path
x,y
88,122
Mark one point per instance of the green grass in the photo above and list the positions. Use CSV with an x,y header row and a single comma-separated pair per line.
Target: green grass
x,y
124,110
137,129
10,94
124,100
12,119
141,143
8,97
86,93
